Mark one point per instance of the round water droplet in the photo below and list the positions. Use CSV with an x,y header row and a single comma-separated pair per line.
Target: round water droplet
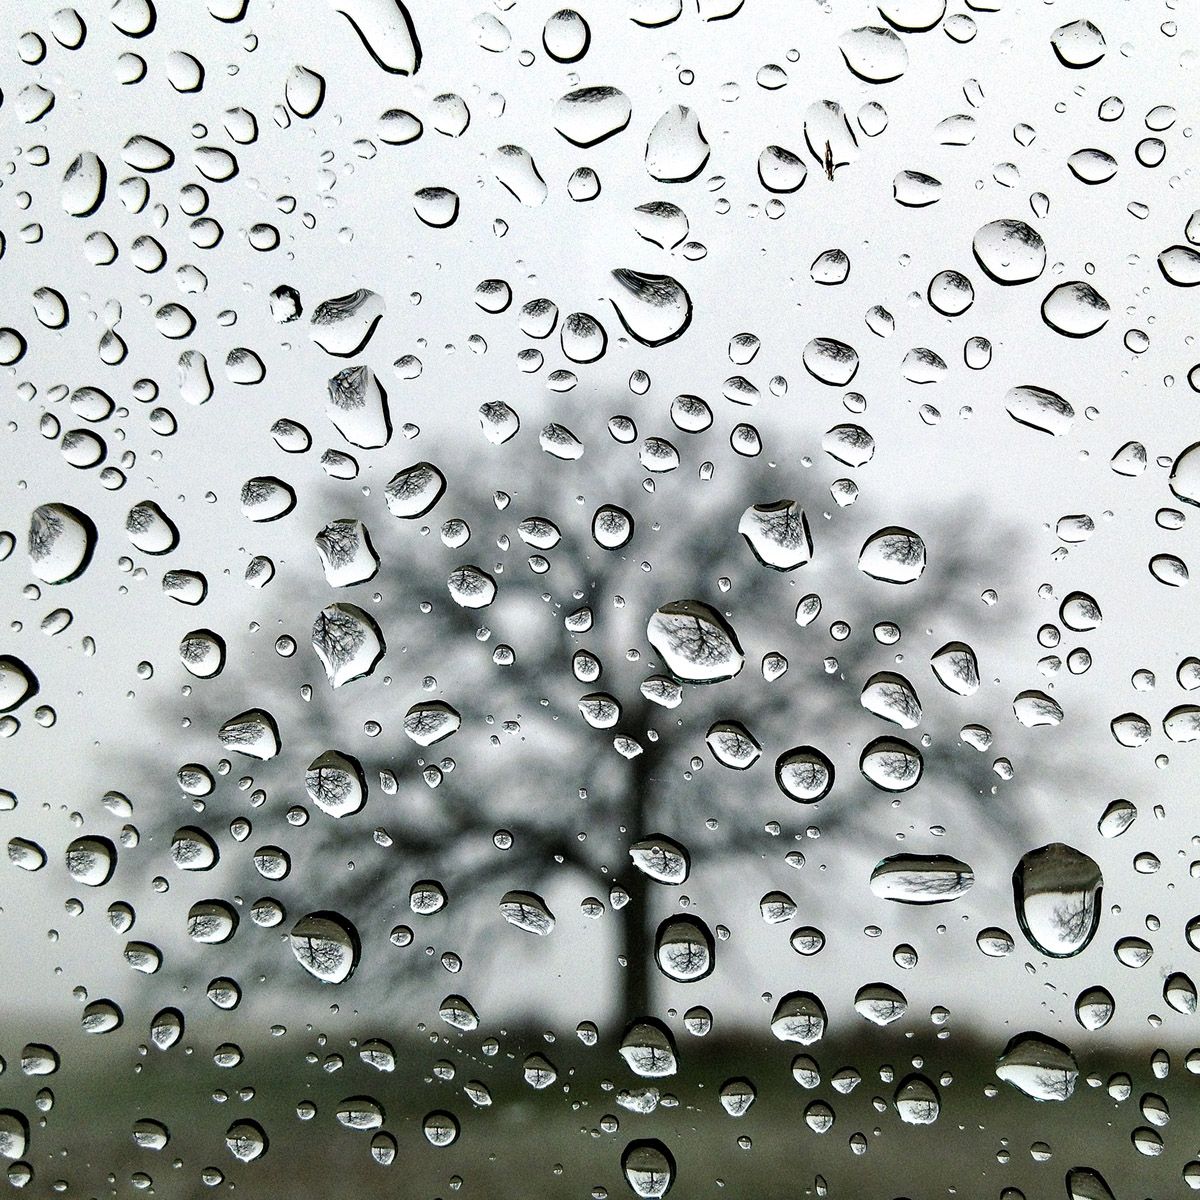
x,y
246,1140
917,1101
1075,309
799,1017
891,765
893,555
61,542
733,745
832,362
91,860
804,774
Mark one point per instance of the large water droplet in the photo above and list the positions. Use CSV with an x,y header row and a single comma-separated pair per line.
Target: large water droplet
x,y
1040,409
1075,309
684,949
917,1101
566,36
649,1168
649,1050
1078,44
411,493
387,32
1010,251
804,774
336,784
893,698
662,858
891,764
589,115
832,362
799,1017
696,643
1084,1183
893,555
326,945
61,541
347,641
1057,890
527,911
874,53
956,668
676,149
778,534
1038,1066
1180,265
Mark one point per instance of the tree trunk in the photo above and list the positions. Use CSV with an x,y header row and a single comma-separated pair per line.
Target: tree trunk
x,y
637,921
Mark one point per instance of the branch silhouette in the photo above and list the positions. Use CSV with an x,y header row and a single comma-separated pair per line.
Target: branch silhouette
x,y
570,625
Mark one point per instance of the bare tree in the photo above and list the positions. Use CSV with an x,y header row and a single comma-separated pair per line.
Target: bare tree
x,y
570,624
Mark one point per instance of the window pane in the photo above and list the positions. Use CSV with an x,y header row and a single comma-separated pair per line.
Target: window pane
x,y
597,599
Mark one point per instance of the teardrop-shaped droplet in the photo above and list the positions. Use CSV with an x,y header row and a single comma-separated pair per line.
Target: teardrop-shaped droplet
x,y
386,30
655,309
676,149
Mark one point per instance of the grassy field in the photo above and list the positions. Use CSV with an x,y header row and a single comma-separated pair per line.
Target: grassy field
x,y
557,1143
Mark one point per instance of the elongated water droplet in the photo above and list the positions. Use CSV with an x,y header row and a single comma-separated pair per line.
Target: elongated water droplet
x,y
921,878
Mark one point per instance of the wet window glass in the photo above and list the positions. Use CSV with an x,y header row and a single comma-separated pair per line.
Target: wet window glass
x,y
596,600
